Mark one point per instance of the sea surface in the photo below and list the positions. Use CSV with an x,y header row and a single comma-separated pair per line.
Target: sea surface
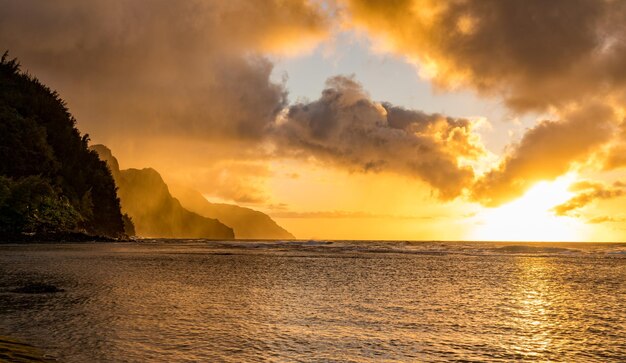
x,y
316,301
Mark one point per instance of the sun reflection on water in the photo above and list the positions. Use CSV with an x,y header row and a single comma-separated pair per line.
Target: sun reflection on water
x,y
540,308
345,301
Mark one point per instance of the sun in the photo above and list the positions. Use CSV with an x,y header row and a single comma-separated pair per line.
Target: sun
x,y
530,218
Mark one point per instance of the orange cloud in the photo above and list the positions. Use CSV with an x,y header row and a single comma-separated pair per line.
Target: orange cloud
x,y
615,158
533,53
196,72
155,79
188,68
588,193
546,151
537,55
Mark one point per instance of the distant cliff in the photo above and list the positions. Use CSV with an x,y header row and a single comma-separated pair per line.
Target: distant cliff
x,y
155,213
247,223
141,190
50,183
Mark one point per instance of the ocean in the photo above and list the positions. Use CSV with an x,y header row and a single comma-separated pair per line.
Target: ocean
x,y
316,301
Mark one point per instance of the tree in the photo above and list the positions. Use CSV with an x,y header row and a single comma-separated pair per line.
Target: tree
x,y
48,170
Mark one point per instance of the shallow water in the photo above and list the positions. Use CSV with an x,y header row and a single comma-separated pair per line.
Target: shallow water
x,y
188,301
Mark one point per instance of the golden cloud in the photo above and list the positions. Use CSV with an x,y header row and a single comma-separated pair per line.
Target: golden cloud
x,y
588,192
533,53
192,68
546,151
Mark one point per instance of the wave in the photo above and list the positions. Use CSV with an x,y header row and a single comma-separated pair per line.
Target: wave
x,y
562,249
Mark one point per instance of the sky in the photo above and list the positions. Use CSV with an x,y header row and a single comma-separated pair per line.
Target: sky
x,y
355,119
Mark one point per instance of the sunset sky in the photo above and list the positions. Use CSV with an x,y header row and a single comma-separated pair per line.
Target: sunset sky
x,y
355,119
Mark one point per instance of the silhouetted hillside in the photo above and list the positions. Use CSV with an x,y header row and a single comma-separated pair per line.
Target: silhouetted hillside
x,y
50,183
154,212
247,223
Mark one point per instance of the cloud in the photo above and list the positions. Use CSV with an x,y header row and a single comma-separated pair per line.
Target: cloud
x,y
534,53
616,155
588,192
344,127
188,72
546,151
191,68
562,56
606,219
239,181
338,214
176,85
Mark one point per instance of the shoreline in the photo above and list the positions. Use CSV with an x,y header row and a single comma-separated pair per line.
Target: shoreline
x,y
62,237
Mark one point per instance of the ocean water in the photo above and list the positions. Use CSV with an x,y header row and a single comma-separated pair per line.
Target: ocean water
x,y
317,301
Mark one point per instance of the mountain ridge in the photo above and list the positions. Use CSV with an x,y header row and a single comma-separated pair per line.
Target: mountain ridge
x,y
246,222
146,198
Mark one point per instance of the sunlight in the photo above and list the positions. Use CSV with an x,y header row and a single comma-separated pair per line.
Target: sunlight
x,y
529,218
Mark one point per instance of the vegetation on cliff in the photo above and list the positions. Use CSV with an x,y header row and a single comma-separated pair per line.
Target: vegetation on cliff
x,y
50,182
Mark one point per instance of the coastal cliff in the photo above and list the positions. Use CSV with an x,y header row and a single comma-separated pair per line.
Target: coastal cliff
x,y
247,223
155,213
50,183
160,210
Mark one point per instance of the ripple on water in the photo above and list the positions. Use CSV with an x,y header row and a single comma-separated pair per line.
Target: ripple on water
x,y
317,301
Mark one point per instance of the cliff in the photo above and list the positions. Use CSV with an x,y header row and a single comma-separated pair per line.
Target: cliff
x,y
155,213
247,223
50,183
143,191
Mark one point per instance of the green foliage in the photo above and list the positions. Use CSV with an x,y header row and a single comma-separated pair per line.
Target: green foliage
x,y
38,138
31,205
